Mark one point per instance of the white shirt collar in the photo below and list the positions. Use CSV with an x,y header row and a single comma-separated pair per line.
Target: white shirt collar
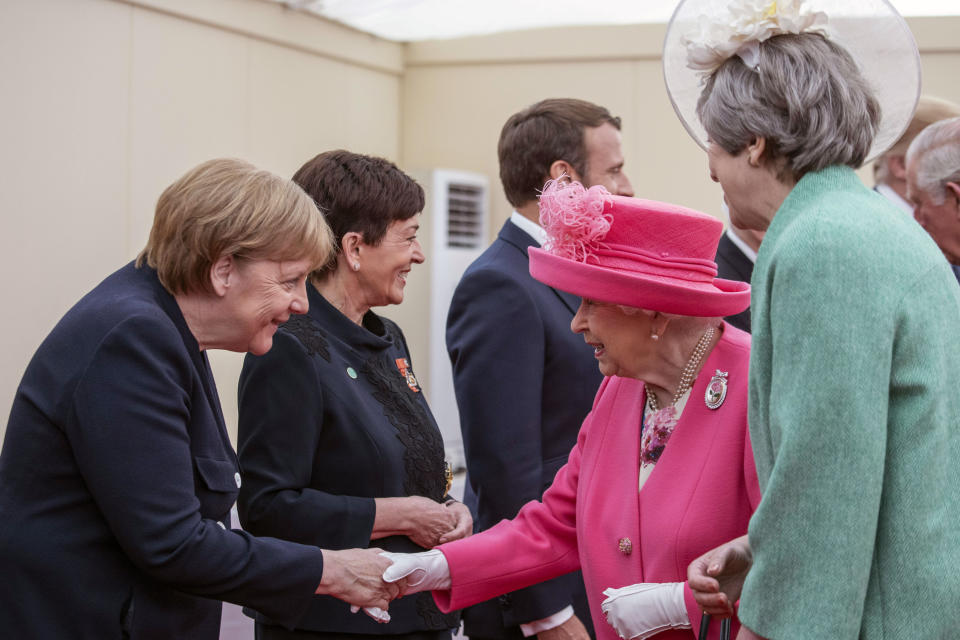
x,y
894,197
526,224
743,246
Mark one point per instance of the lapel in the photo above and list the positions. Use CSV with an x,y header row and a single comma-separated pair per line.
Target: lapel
x,y
693,437
735,258
200,362
522,241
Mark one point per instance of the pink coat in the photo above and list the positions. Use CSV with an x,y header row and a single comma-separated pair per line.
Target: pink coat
x,y
701,494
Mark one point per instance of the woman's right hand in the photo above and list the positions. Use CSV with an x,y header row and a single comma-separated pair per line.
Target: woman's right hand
x,y
428,521
716,578
420,519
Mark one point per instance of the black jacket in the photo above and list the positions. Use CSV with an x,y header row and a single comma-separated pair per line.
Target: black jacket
x,y
732,264
116,481
328,423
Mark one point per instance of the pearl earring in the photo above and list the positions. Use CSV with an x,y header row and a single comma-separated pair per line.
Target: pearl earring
x,y
356,266
654,336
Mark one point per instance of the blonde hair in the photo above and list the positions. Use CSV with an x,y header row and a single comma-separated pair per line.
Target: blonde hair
x,y
229,207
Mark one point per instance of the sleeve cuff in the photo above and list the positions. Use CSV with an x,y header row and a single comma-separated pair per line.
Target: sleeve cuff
x,y
545,624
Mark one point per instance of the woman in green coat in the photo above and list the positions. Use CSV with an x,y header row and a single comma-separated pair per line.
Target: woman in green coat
x,y
854,408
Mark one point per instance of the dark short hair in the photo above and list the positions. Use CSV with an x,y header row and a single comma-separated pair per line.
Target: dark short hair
x,y
541,134
358,193
807,98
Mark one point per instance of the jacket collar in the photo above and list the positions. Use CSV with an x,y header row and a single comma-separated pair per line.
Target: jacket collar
x,y
514,235
371,334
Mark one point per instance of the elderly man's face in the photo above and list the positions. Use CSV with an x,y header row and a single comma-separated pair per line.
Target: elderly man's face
x,y
941,221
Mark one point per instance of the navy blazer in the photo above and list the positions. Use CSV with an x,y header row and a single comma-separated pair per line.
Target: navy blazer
x,y
732,264
116,482
524,383
332,418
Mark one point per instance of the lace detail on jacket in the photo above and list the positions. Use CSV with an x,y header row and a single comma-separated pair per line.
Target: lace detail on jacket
x,y
434,618
423,455
310,335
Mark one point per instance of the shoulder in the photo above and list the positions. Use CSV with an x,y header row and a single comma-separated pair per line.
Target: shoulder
x,y
302,334
393,330
118,311
735,342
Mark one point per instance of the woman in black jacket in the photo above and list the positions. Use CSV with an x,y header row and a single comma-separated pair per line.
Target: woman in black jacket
x,y
337,444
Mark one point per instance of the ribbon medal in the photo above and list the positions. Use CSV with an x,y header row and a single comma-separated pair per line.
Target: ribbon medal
x,y
407,374
716,390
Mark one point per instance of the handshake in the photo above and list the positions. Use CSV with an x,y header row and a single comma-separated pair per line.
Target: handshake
x,y
369,579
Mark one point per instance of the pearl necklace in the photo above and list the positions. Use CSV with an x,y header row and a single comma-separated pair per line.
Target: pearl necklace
x,y
688,373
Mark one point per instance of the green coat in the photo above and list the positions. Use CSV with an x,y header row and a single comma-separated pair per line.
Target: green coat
x,y
855,422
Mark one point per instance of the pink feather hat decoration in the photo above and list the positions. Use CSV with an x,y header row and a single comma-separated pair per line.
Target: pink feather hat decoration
x,y
639,253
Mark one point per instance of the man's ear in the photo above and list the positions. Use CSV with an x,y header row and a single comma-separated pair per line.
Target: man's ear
x,y
953,189
221,272
563,168
897,167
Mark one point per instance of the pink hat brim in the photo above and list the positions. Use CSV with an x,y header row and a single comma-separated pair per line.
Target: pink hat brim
x,y
643,291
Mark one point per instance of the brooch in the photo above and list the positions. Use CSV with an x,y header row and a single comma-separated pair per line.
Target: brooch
x,y
716,390
407,374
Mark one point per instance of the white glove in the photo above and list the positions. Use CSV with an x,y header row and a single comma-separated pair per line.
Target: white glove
x,y
376,613
643,610
425,571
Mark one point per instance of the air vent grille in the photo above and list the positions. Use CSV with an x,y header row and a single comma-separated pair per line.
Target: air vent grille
x,y
465,218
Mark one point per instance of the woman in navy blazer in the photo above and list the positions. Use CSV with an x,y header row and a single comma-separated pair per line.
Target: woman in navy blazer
x,y
337,444
117,476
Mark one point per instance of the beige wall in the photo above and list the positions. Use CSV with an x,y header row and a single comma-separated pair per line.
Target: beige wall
x,y
458,93
105,102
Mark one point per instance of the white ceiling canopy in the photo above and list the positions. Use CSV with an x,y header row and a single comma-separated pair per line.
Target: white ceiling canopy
x,y
411,20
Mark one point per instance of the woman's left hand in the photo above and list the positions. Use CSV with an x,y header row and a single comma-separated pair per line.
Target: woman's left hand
x,y
464,523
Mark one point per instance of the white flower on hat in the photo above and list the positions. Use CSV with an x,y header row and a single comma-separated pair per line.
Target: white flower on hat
x,y
750,22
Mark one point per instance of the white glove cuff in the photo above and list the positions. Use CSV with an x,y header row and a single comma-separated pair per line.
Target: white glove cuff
x,y
640,611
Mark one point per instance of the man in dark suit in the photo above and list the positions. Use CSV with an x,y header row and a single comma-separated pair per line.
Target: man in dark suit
x,y
524,382
736,255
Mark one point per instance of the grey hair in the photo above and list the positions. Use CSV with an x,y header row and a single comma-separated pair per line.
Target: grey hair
x,y
807,99
936,152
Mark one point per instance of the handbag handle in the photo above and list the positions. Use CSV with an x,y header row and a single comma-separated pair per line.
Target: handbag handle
x,y
705,627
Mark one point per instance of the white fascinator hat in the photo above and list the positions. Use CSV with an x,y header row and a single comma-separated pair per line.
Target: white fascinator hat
x,y
703,34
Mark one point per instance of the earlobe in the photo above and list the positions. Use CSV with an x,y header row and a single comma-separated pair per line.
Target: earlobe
x,y
221,273
658,324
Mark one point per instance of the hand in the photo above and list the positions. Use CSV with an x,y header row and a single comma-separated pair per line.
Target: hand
x,y
572,629
427,521
716,578
420,519
464,522
354,576
640,611
415,572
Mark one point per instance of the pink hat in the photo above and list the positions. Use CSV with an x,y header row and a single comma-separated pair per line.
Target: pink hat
x,y
639,253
